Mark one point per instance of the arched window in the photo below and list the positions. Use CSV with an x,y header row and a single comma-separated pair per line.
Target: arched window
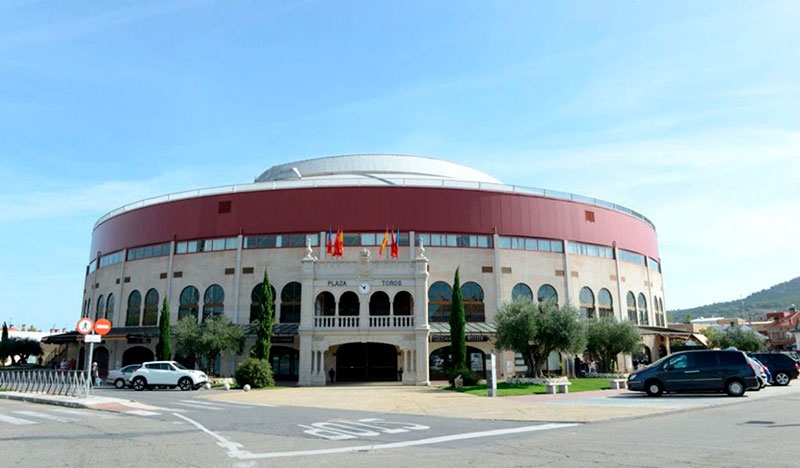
x,y
472,297
188,302
643,315
291,295
521,291
379,304
631,300
440,297
348,304
663,314
150,308
213,301
605,303
87,307
133,317
403,303
98,314
547,293
255,300
587,303
110,307
325,305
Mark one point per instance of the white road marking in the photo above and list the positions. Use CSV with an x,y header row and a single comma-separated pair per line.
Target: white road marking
x,y
239,403
85,413
48,417
142,413
194,405
235,451
16,421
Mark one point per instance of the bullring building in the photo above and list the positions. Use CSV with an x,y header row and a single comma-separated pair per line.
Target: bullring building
x,y
380,309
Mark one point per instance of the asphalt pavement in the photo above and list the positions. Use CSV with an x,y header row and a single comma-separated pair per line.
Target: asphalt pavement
x,y
582,407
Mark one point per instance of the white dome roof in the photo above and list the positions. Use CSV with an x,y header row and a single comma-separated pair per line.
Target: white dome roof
x,y
376,167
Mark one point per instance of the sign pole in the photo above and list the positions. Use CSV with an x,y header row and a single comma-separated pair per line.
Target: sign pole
x,y
89,369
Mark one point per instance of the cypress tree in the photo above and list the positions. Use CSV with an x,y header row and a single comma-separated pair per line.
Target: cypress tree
x,y
264,320
458,341
5,332
164,346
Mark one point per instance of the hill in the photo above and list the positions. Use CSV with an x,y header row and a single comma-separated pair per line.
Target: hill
x,y
756,305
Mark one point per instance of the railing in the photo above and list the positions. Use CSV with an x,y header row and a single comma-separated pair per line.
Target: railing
x,y
397,321
336,322
50,382
383,321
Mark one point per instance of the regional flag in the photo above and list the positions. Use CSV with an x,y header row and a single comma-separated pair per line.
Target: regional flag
x,y
395,250
383,243
329,242
338,245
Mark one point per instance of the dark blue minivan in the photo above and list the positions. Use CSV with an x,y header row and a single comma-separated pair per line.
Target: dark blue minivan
x,y
726,371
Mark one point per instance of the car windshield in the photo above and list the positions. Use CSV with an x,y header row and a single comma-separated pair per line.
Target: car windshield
x,y
179,366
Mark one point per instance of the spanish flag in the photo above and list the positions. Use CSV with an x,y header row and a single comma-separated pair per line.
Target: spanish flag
x,y
383,243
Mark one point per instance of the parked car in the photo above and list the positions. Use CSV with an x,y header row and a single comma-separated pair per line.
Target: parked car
x,y
783,367
120,378
761,372
167,374
726,371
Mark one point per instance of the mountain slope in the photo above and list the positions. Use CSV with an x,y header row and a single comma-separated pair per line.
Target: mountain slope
x,y
756,305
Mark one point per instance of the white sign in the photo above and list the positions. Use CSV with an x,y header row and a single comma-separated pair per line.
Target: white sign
x,y
92,338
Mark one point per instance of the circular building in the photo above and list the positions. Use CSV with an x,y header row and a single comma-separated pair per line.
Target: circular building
x,y
361,252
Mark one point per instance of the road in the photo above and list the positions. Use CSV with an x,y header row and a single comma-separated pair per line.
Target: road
x,y
184,429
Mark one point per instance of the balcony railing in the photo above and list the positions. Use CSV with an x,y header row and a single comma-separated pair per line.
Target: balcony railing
x,y
383,321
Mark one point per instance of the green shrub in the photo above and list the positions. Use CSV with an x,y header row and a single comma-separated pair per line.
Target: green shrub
x,y
467,375
255,372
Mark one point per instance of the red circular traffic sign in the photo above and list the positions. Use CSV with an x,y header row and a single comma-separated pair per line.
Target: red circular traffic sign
x,y
102,326
85,326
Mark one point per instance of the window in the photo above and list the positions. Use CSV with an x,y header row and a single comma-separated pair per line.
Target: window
x,y
643,314
591,250
188,302
290,302
213,301
133,316
451,240
349,304
150,308
255,300
149,251
98,314
325,305
678,362
547,293
112,259
472,298
440,296
587,303
379,304
110,306
632,257
606,304
403,303
521,291
631,300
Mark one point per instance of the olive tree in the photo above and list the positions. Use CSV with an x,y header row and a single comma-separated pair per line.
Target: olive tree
x,y
606,338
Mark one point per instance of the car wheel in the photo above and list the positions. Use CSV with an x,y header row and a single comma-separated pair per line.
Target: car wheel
x,y
653,388
781,378
185,384
735,388
119,383
139,384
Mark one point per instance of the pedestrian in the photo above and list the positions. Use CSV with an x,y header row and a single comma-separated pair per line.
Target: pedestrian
x,y
62,365
332,374
95,375
400,374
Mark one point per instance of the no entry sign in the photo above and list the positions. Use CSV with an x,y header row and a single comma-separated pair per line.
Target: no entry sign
x,y
102,326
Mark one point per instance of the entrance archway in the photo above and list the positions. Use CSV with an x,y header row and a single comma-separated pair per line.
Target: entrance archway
x,y
366,362
137,355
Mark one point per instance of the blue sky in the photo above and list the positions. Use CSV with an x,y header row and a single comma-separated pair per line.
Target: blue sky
x,y
684,111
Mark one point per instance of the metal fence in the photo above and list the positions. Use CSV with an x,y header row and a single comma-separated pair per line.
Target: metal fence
x,y
50,382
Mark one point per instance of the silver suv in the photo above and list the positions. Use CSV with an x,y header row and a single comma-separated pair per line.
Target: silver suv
x,y
166,374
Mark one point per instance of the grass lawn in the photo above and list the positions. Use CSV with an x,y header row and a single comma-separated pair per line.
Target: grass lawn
x,y
505,389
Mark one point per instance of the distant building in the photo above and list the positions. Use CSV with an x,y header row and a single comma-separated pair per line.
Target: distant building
x,y
366,314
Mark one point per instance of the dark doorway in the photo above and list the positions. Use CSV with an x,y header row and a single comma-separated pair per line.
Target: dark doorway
x,y
366,362
137,355
440,362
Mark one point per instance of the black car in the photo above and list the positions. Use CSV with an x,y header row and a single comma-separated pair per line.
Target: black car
x,y
783,366
726,371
